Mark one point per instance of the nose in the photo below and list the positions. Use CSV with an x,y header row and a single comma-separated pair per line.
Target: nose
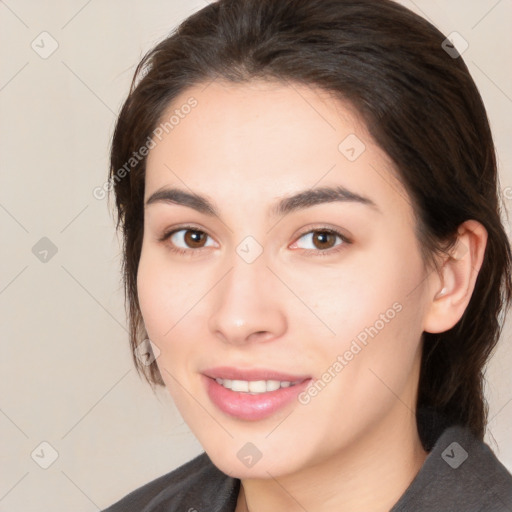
x,y
246,305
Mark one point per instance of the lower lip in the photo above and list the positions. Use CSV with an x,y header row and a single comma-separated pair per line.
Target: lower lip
x,y
251,407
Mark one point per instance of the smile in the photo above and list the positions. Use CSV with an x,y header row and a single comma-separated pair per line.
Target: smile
x,y
254,394
254,387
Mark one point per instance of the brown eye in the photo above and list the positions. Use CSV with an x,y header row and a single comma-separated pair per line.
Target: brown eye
x,y
324,239
185,239
194,239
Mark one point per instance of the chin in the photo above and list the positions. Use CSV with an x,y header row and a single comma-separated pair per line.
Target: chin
x,y
260,470
245,461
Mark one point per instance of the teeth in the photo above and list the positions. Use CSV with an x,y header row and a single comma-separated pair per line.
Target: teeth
x,y
240,385
272,385
254,387
257,386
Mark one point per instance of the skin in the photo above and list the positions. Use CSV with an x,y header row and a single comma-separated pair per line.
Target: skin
x,y
355,445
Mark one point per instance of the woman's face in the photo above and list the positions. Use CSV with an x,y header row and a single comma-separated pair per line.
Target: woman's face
x,y
300,281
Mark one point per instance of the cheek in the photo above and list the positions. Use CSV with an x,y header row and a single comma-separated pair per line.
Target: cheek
x,y
170,300
165,294
373,308
378,331
354,294
153,303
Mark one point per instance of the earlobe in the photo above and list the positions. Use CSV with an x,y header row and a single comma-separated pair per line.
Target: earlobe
x,y
455,282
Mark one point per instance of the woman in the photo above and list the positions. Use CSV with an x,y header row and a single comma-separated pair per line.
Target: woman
x,y
307,192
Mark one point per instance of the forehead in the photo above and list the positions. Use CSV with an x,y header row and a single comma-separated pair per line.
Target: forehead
x,y
257,121
264,139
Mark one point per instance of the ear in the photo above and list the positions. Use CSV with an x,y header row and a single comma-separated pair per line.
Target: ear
x,y
454,284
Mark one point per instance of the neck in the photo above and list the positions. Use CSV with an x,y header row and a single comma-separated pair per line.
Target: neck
x,y
371,474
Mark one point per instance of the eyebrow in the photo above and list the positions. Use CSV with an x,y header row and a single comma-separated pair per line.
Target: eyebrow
x,y
298,201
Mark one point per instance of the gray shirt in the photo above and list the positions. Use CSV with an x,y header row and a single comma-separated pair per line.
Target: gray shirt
x,y
460,473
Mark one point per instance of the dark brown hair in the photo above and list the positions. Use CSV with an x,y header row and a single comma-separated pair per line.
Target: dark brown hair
x,y
419,103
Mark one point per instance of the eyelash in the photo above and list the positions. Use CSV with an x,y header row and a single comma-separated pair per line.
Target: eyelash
x,y
308,252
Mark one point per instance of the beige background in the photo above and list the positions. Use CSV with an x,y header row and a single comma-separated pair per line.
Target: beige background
x,y
66,372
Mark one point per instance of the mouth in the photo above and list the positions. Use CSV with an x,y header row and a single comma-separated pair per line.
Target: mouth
x,y
252,394
255,387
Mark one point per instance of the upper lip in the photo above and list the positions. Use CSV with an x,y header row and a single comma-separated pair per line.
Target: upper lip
x,y
254,374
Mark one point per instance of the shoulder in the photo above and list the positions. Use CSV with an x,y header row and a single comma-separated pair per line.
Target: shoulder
x,y
196,485
460,473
